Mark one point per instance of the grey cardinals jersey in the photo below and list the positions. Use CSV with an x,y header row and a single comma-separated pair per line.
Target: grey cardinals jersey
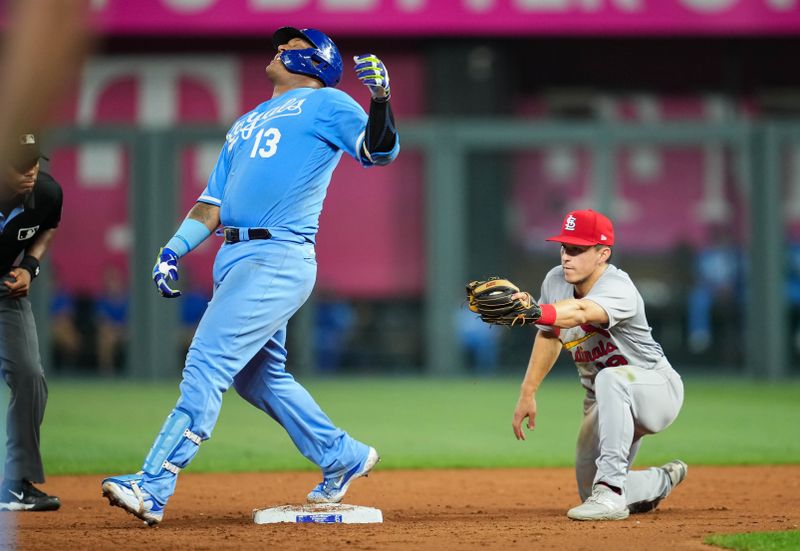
x,y
625,340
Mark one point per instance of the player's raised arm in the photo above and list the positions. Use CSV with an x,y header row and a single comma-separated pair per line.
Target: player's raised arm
x,y
381,142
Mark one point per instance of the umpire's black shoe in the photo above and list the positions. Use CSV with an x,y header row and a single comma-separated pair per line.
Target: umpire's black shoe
x,y
21,495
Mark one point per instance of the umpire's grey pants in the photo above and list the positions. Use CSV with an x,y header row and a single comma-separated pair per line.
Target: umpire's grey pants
x,y
21,366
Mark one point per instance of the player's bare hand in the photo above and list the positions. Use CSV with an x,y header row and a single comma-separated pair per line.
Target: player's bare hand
x,y
21,284
526,409
524,297
373,74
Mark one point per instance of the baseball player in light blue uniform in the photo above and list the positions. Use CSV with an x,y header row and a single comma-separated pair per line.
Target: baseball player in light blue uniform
x,y
266,190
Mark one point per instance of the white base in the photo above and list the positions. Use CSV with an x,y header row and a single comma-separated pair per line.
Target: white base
x,y
333,513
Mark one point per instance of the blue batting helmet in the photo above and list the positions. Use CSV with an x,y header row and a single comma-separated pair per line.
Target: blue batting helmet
x,y
322,62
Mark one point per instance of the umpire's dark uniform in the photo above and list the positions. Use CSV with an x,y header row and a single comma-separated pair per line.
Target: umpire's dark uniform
x,y
22,220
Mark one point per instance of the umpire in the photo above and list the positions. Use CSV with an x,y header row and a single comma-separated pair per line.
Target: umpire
x,y
30,210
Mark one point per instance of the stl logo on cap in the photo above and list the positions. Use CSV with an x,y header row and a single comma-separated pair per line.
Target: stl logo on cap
x,y
27,139
585,228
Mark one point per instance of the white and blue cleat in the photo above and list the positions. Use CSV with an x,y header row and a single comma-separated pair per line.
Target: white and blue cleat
x,y
332,489
126,492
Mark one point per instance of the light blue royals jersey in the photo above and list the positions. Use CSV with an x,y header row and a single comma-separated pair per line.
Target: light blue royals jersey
x,y
275,168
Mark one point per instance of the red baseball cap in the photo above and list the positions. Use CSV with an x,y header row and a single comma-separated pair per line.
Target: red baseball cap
x,y
585,228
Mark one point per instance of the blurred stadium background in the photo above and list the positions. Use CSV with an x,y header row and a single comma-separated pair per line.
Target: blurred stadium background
x,y
678,118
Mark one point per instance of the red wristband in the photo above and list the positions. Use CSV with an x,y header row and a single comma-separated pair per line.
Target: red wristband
x,y
548,316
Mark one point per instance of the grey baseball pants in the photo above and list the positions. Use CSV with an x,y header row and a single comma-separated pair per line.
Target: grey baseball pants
x,y
630,403
21,366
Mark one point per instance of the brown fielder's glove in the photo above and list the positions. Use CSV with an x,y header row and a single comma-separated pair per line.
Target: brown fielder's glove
x,y
492,300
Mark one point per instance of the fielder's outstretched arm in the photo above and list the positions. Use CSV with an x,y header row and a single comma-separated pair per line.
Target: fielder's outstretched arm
x,y
568,313
574,312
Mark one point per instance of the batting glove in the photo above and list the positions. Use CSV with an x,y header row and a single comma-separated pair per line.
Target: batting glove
x,y
166,268
373,73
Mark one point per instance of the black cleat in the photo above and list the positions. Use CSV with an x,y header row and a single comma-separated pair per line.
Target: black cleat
x,y
16,495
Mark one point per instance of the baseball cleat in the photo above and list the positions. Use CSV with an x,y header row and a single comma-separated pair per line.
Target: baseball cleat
x,y
21,495
603,504
126,492
332,489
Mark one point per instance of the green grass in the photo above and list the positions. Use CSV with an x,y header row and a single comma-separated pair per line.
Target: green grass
x,y
105,427
758,541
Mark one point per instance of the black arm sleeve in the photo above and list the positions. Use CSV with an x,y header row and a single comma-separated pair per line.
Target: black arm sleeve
x,y
381,133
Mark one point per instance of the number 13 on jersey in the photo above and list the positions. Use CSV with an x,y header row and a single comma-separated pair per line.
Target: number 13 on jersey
x,y
271,137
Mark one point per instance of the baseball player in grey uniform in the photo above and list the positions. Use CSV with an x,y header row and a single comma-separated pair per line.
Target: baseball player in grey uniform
x,y
592,309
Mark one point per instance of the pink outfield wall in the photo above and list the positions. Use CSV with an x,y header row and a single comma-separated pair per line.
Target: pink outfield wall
x,y
373,221
451,17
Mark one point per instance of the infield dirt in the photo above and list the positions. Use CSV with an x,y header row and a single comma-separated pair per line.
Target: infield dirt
x,y
436,509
